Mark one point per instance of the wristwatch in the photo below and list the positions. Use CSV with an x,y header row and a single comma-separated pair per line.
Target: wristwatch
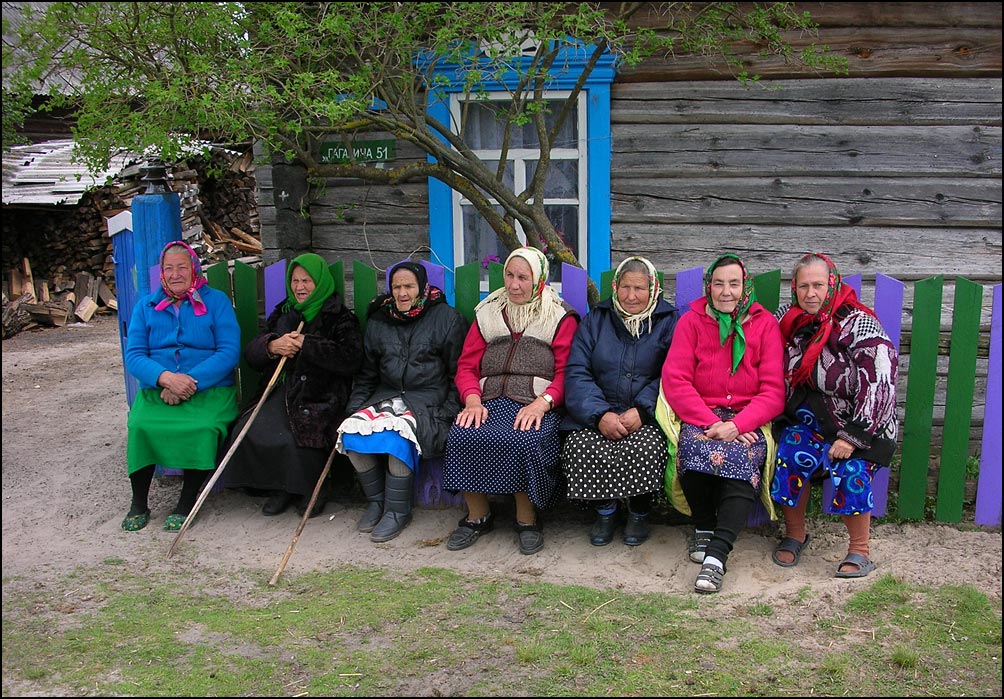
x,y
547,397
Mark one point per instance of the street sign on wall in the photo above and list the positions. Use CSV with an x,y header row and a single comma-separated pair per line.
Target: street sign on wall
x,y
357,151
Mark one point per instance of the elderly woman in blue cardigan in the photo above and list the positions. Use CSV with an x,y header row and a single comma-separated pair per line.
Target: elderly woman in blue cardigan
x,y
615,450
182,345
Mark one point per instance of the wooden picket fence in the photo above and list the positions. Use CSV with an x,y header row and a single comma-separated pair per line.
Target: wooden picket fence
x,y
259,290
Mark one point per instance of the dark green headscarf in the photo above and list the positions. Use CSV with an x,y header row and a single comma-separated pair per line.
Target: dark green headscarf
x,y
729,323
324,285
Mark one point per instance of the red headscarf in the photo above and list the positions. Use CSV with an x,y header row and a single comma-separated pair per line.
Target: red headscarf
x,y
197,281
838,297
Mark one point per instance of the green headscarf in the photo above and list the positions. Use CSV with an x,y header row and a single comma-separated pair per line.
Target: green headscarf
x,y
324,285
729,323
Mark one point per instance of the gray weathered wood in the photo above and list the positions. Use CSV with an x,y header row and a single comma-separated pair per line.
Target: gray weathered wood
x,y
907,253
725,150
864,101
863,201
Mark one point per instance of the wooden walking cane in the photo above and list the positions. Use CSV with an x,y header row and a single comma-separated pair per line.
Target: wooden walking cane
x,y
230,452
303,520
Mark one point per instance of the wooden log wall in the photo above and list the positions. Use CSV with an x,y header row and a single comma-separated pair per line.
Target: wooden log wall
x,y
893,169
353,220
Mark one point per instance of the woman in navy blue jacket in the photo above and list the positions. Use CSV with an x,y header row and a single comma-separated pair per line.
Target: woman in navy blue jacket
x,y
614,448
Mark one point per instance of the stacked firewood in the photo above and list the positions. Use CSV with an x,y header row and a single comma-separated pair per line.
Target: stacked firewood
x,y
219,219
66,298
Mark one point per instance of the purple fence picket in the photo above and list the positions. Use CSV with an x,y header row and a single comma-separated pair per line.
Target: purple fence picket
x,y
689,286
988,487
275,285
575,287
888,307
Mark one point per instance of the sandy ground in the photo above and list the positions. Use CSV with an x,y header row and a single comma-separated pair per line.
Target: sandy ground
x,y
65,491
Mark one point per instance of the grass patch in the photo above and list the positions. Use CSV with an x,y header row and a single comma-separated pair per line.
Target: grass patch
x,y
356,631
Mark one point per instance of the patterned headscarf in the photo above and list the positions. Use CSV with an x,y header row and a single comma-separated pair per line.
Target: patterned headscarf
x,y
634,321
428,296
197,281
731,323
838,296
324,285
544,301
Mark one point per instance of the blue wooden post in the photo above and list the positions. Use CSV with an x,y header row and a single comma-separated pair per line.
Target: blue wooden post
x,y
138,238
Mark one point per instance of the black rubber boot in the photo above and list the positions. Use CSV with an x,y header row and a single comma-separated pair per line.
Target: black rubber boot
x,y
372,483
397,508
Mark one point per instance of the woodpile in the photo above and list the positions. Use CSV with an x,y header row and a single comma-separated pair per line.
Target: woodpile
x,y
219,219
52,303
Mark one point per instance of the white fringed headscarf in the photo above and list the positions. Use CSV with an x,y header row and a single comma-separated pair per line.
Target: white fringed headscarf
x,y
544,303
633,321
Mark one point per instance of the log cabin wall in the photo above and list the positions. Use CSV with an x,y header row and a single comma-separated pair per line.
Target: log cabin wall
x,y
894,168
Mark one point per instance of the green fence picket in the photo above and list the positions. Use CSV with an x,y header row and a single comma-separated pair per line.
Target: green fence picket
x,y
467,289
247,307
364,289
606,284
920,397
218,277
768,289
495,276
959,400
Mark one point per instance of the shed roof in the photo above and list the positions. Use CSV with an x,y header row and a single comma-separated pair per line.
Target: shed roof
x,y
44,173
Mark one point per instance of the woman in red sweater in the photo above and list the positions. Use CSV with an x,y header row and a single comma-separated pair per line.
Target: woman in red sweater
x,y
724,382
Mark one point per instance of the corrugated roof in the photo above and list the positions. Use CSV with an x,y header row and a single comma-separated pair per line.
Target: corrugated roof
x,y
43,173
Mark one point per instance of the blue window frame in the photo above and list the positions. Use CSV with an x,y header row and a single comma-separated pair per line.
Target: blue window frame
x,y
446,208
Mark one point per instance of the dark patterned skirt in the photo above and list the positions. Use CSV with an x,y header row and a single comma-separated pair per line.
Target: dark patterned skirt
x,y
718,458
268,457
598,468
802,451
497,459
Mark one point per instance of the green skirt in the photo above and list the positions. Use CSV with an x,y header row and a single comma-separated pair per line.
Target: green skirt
x,y
181,436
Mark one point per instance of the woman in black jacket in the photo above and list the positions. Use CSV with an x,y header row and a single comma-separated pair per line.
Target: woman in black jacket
x,y
295,430
404,399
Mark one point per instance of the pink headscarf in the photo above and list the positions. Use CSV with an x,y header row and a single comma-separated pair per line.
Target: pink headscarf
x,y
197,281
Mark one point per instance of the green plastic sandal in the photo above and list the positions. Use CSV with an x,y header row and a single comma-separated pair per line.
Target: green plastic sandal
x,y
173,523
133,523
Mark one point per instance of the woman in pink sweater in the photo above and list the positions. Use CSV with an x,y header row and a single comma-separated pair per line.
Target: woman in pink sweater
x,y
724,381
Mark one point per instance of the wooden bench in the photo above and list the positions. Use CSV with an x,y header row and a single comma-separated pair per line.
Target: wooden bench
x,y
257,291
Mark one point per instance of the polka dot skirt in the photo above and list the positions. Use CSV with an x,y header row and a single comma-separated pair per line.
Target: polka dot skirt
x,y
497,459
598,468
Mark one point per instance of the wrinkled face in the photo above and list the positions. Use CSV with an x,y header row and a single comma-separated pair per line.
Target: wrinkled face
x,y
177,270
811,285
726,287
519,281
404,287
632,292
301,284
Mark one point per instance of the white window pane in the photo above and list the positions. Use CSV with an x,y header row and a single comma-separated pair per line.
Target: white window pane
x,y
562,181
481,244
483,129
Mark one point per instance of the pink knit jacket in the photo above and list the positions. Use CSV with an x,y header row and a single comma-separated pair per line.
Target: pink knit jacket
x,y
696,376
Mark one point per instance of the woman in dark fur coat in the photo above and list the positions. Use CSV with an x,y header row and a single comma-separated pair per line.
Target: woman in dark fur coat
x,y
285,450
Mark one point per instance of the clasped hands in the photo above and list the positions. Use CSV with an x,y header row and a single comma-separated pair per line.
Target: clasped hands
x,y
728,432
176,387
285,345
614,426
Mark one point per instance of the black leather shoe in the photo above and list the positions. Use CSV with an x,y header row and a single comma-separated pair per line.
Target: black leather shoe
x,y
467,533
602,532
277,503
531,537
636,531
